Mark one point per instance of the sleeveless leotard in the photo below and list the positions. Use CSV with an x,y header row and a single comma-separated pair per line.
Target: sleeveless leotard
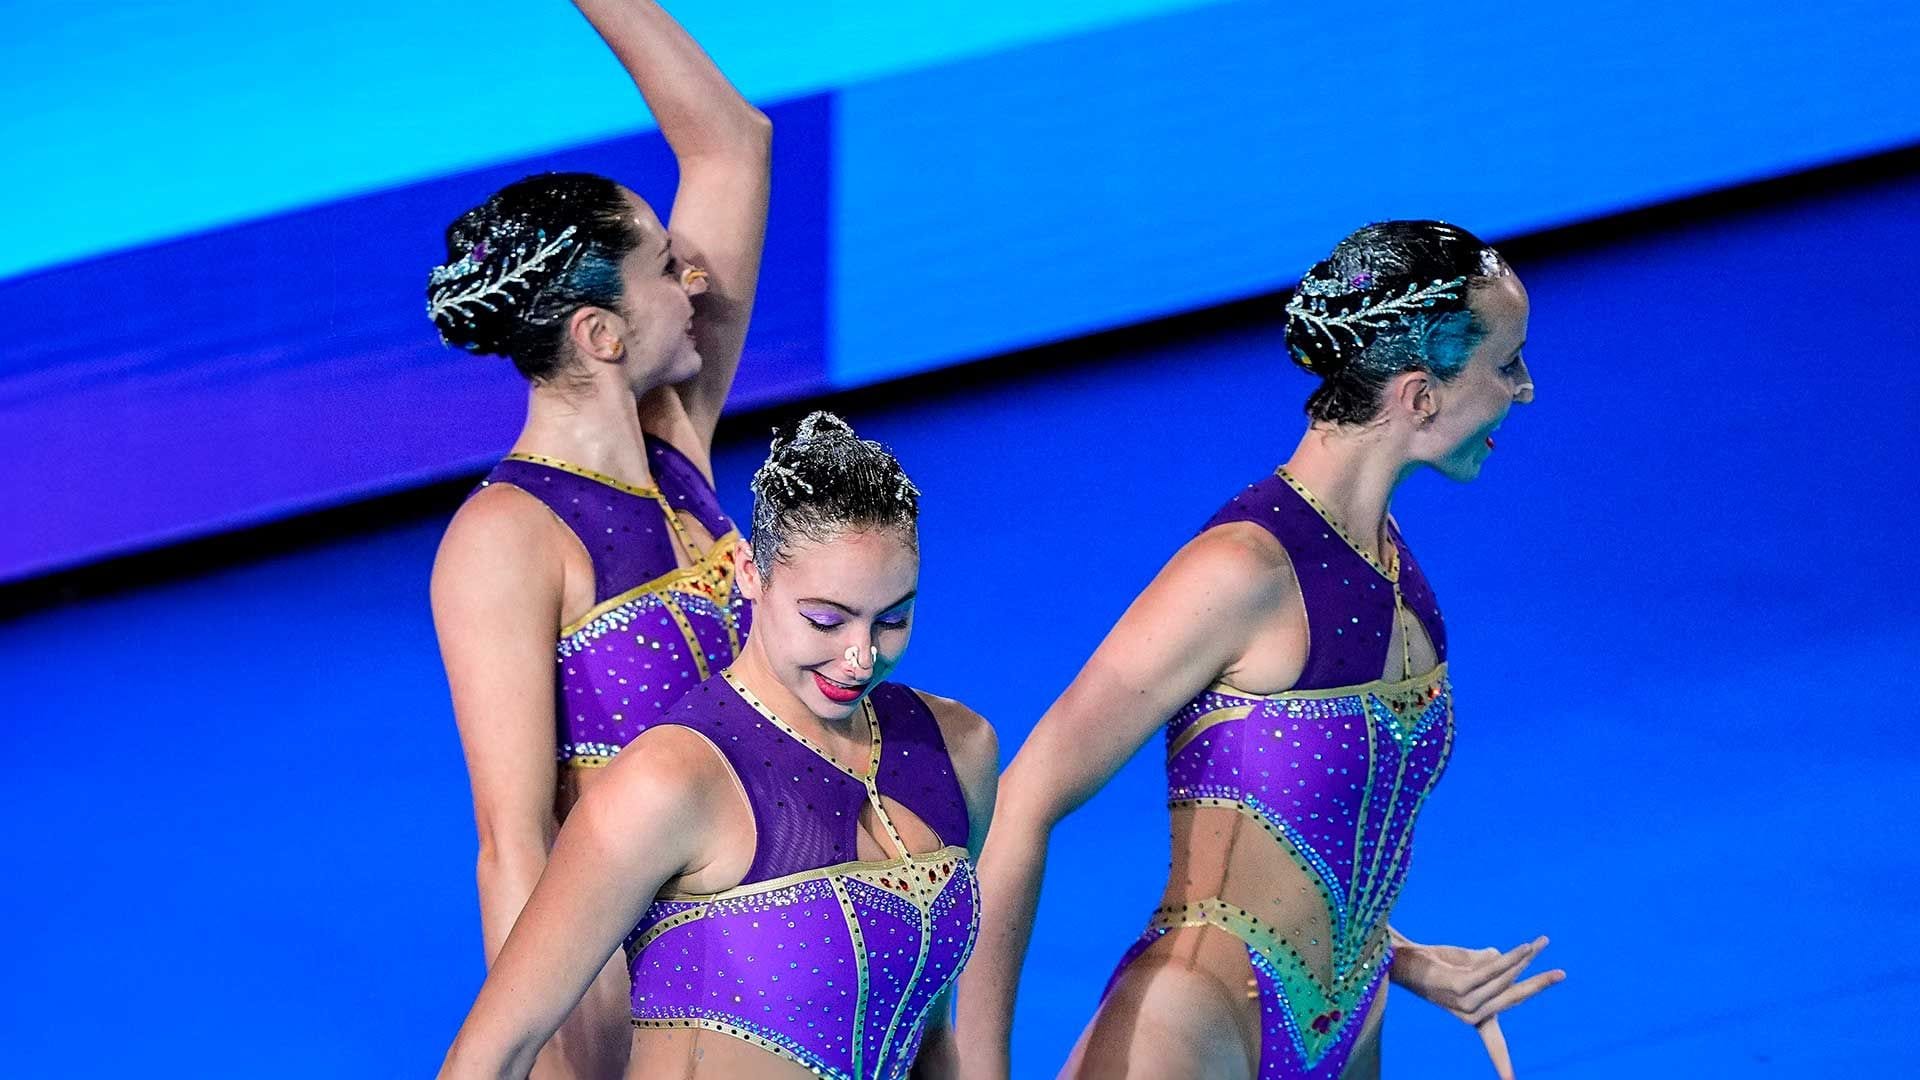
x,y
818,958
656,628
1333,772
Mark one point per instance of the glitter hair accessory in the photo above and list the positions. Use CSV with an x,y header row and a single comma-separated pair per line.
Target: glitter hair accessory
x,y
822,478
447,297
1309,305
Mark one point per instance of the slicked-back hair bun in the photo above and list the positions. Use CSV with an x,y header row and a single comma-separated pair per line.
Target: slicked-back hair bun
x,y
822,480
1392,297
521,263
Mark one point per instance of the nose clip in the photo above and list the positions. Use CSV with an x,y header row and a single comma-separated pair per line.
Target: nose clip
x,y
853,656
693,277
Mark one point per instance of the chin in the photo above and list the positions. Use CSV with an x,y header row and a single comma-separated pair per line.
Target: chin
x,y
688,365
1460,472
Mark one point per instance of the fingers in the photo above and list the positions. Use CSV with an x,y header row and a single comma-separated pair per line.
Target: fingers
x,y
1488,983
1496,1044
1514,995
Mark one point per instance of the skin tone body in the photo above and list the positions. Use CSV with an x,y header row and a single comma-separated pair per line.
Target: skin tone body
x,y
1227,608
508,575
670,815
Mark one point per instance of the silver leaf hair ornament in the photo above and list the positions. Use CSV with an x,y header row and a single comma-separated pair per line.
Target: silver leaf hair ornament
x,y
1309,305
488,291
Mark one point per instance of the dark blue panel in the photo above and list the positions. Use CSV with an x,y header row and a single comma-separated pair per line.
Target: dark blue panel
x,y
278,366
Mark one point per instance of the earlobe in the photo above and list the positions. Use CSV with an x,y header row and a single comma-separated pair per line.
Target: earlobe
x,y
595,336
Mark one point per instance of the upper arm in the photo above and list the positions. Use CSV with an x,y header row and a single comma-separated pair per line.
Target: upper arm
x,y
974,750
1191,624
719,223
644,824
496,590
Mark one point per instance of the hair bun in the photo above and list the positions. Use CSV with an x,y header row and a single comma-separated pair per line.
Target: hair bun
x,y
479,299
820,423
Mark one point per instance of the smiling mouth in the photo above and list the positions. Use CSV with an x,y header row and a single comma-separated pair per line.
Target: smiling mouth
x,y
838,692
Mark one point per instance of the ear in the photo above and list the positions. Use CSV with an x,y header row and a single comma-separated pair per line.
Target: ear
x,y
1412,395
595,333
746,572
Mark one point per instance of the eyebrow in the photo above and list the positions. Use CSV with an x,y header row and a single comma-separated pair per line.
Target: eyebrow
x,y
850,611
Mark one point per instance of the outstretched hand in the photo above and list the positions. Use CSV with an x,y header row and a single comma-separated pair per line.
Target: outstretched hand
x,y
1476,985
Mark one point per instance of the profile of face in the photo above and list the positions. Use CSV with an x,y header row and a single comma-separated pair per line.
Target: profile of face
x,y
1458,416
831,618
655,327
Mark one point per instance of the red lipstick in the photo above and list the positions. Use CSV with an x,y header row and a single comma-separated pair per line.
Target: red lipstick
x,y
836,693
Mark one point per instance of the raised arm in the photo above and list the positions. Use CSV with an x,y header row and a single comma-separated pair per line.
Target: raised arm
x,y
637,829
1193,623
719,217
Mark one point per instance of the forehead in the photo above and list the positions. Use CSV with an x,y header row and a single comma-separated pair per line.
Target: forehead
x,y
857,567
645,220
1502,307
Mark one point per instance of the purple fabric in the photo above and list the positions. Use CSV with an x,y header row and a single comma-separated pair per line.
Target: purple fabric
x,y
626,535
915,769
1350,611
805,811
841,980
1283,1053
686,487
627,664
1332,776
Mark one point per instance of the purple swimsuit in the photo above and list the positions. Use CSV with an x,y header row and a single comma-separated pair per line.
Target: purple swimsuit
x,y
656,628
822,960
1332,772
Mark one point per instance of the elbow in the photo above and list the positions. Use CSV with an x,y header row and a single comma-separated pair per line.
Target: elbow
x,y
1020,825
751,139
512,850
757,127
744,140
466,1061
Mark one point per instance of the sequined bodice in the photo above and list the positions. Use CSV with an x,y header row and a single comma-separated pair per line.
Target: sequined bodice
x,y
817,957
656,628
1334,772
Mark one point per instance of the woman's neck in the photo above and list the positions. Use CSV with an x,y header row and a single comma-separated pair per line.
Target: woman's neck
x,y
595,425
1352,473
751,669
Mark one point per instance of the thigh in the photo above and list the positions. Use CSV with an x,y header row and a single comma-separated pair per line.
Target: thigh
x,y
1181,1011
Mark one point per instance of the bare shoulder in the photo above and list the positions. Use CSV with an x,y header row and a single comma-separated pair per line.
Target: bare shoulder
x,y
667,771
971,741
1238,564
499,524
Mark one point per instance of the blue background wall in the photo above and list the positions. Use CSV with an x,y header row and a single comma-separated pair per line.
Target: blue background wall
x,y
1681,626
239,821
